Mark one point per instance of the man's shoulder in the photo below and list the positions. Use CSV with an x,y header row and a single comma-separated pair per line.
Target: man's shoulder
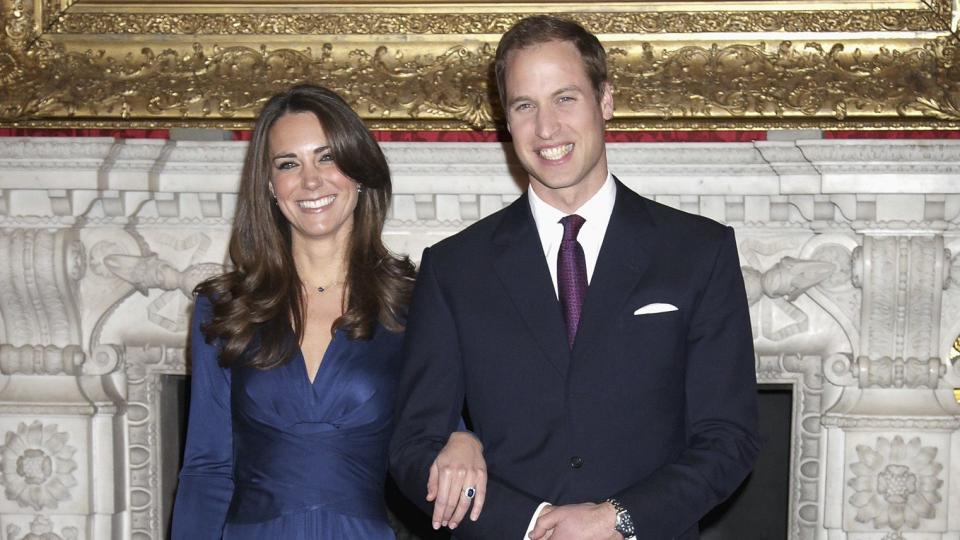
x,y
675,222
475,235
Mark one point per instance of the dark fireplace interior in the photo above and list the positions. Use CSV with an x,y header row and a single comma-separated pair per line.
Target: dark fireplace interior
x,y
756,511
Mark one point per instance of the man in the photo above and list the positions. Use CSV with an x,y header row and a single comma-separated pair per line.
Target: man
x,y
600,341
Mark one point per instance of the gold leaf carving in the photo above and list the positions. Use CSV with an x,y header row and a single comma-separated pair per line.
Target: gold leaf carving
x,y
15,27
233,81
792,79
366,23
439,80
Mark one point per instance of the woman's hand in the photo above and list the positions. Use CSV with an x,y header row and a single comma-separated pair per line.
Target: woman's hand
x,y
459,465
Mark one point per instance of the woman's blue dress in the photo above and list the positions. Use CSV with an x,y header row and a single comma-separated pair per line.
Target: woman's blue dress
x,y
271,455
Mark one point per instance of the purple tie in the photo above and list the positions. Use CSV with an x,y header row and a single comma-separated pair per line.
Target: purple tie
x,y
571,274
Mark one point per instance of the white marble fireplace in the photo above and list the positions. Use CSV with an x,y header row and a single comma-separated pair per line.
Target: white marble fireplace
x,y
847,247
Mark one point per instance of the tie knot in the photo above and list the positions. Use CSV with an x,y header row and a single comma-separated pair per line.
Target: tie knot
x,y
571,226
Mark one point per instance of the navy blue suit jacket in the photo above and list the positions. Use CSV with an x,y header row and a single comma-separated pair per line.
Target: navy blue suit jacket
x,y
657,410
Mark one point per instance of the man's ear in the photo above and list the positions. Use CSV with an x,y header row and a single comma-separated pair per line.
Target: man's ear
x,y
606,100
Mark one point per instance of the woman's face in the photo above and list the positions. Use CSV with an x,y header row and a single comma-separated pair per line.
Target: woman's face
x,y
312,193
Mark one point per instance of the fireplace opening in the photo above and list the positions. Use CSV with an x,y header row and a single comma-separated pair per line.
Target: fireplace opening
x,y
174,406
759,509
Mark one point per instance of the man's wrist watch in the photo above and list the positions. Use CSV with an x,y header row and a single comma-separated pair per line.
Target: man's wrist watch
x,y
624,524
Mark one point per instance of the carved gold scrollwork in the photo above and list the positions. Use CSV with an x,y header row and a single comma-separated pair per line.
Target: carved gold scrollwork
x,y
14,24
428,69
596,16
692,82
789,79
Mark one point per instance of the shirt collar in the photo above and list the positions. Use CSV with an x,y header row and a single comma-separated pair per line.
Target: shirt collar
x,y
596,211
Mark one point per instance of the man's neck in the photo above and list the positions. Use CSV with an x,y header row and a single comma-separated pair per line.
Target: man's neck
x,y
568,199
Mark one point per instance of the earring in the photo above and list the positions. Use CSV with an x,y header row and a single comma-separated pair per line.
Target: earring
x,y
359,189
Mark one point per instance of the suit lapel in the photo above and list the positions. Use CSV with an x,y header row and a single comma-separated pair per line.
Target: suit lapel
x,y
625,255
522,267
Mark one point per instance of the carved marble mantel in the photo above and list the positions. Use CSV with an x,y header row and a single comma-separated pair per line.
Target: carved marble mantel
x,y
847,251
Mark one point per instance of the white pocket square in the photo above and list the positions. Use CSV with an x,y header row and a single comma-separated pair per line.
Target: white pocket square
x,y
655,308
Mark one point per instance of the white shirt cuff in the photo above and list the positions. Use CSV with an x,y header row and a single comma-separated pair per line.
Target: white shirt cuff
x,y
533,520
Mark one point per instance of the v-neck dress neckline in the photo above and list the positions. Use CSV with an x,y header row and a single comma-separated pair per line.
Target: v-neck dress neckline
x,y
326,357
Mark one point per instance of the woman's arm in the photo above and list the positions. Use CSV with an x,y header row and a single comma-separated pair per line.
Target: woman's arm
x,y
206,478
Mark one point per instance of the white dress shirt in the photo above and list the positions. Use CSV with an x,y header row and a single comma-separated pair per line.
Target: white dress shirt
x,y
596,213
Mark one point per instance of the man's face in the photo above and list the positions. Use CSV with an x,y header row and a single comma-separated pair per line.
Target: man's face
x,y
556,121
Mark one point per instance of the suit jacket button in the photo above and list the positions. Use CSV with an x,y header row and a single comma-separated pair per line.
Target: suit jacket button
x,y
576,462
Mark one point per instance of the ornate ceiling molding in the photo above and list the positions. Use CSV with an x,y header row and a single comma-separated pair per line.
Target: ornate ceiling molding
x,y
405,65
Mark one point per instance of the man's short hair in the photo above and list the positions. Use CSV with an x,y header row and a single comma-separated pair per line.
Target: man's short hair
x,y
540,29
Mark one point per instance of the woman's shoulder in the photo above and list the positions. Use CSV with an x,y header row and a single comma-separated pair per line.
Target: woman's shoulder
x,y
214,292
202,308
203,301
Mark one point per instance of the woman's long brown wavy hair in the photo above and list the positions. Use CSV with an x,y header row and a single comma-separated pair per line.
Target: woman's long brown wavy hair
x,y
256,304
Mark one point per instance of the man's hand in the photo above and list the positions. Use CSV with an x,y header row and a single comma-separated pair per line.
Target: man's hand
x,y
586,521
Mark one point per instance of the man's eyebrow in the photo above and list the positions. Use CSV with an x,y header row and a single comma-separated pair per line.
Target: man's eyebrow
x,y
511,102
569,88
565,89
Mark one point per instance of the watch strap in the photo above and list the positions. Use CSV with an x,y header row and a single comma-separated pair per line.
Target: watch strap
x,y
624,524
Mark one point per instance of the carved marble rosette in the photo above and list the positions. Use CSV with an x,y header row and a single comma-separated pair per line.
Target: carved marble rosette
x,y
846,249
895,422
58,405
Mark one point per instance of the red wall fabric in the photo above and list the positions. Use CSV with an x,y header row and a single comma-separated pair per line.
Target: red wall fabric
x,y
413,136
496,136
612,136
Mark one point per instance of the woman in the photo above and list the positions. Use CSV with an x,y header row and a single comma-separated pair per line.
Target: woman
x,y
295,353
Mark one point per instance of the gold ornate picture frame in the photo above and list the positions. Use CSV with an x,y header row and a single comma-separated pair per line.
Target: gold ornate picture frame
x,y
746,64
